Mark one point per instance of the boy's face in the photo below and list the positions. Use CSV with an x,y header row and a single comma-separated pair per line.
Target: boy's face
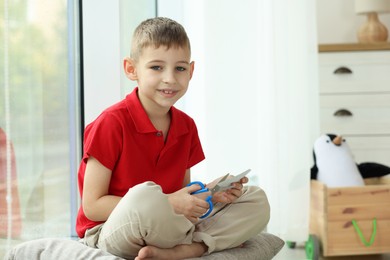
x,y
162,74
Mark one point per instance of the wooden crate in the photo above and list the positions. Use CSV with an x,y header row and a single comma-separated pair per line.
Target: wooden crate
x,y
333,209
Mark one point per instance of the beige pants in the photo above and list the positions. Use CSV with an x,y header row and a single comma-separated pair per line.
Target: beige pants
x,y
145,217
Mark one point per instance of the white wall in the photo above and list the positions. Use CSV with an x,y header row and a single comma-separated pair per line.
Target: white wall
x,y
102,66
338,22
107,29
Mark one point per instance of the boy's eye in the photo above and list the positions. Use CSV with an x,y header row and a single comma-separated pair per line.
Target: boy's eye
x,y
155,68
180,68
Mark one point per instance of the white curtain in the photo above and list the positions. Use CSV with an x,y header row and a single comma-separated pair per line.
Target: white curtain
x,y
254,96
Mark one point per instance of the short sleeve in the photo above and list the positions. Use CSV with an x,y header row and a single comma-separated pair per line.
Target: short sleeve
x,y
103,140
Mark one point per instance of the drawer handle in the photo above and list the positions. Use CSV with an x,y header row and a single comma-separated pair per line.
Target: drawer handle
x,y
342,70
342,112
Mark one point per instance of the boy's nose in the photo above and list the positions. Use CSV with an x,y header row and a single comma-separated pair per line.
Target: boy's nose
x,y
169,78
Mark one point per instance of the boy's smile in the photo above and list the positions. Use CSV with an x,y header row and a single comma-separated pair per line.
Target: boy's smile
x,y
163,76
168,93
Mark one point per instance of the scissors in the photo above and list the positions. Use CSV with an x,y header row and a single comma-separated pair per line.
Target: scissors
x,y
223,184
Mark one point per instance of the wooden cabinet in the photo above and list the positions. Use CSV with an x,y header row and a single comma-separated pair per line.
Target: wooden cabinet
x,y
355,98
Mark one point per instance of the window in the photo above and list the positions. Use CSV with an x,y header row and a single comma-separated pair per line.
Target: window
x,y
40,109
38,120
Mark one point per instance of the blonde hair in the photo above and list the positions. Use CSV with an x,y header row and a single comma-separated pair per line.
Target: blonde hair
x,y
156,32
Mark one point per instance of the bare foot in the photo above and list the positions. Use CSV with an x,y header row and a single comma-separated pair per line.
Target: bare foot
x,y
175,253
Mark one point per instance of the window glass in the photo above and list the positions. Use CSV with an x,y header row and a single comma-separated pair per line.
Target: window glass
x,y
40,135
35,119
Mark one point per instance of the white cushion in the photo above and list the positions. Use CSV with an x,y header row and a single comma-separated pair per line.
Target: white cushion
x,y
261,247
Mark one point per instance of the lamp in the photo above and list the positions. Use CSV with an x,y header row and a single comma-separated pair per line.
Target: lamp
x,y
373,30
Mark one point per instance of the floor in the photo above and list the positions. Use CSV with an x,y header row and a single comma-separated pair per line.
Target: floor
x,y
299,254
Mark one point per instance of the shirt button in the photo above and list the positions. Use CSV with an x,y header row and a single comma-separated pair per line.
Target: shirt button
x,y
158,134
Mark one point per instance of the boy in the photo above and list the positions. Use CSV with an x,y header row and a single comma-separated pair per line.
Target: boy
x,y
136,165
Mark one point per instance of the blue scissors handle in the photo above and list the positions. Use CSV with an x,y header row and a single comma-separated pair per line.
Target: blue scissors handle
x,y
208,199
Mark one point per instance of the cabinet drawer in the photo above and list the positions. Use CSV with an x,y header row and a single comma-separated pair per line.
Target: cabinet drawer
x,y
370,114
370,148
369,72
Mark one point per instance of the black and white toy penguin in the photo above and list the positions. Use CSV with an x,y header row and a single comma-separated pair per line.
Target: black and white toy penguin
x,y
334,164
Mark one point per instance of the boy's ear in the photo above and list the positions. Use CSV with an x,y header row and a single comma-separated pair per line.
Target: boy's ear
x,y
129,67
192,67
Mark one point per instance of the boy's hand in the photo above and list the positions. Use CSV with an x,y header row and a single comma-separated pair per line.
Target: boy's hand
x,y
229,195
191,206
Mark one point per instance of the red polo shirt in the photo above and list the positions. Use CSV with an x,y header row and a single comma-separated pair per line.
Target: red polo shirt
x,y
125,141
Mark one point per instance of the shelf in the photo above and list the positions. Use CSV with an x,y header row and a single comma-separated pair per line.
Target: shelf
x,y
354,47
